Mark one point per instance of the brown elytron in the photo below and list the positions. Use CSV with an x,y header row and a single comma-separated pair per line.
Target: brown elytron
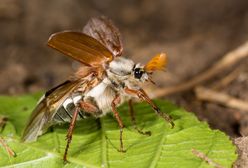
x,y
102,83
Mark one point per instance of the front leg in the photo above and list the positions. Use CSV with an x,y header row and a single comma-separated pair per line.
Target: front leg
x,y
114,103
143,96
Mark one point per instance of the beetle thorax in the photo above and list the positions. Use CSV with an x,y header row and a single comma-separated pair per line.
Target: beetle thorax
x,y
121,66
120,71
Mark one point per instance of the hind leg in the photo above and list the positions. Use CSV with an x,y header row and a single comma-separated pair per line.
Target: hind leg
x,y
70,130
86,107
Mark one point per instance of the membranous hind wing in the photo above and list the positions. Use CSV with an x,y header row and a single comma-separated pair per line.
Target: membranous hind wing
x,y
81,47
44,112
103,30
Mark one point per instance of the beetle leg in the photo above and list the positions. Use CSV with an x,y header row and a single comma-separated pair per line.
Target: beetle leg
x,y
70,130
133,120
88,108
143,96
118,118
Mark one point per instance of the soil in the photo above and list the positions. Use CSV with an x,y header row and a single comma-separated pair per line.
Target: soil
x,y
194,34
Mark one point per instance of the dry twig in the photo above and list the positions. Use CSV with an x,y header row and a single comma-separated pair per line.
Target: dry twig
x,y
226,62
221,98
7,148
205,158
227,79
3,121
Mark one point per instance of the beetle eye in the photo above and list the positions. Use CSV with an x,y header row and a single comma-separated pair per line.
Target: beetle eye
x,y
138,73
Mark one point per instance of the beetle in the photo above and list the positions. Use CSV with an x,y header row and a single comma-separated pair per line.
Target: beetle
x,y
104,81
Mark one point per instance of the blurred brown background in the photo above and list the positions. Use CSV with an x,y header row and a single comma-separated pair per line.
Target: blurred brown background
x,y
195,34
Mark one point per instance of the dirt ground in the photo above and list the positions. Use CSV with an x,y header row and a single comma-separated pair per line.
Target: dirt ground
x,y
194,34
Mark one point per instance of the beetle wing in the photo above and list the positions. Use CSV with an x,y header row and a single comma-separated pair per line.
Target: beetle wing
x,y
102,29
80,47
45,110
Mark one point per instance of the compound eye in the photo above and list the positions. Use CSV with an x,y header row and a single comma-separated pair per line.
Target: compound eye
x,y
138,73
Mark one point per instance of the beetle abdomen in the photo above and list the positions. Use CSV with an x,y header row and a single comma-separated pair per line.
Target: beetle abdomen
x,y
65,112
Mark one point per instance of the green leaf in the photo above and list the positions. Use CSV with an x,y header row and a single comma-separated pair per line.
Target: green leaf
x,y
95,144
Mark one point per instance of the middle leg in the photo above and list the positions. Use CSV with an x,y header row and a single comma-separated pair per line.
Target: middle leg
x,y
133,120
114,103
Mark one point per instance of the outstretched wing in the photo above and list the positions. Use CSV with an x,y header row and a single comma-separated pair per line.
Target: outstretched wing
x,y
103,29
80,47
45,110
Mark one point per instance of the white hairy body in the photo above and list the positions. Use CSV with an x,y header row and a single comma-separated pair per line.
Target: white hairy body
x,y
118,76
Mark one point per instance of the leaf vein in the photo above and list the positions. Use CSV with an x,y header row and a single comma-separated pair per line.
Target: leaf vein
x,y
104,146
157,154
